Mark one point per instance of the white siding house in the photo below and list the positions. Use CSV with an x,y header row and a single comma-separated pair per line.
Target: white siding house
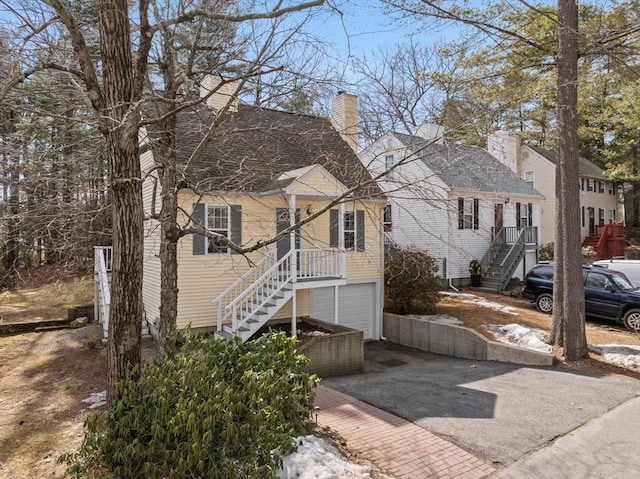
x,y
455,201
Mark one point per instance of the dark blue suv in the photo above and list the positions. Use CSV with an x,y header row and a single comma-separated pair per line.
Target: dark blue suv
x,y
608,294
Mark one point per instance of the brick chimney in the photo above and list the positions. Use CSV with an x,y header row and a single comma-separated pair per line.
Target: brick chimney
x,y
505,147
344,118
224,92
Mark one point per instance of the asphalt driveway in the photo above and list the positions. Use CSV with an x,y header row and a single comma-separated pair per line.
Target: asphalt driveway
x,y
500,412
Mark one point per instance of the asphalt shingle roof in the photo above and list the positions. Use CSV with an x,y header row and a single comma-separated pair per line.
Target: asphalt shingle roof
x,y
585,167
467,167
252,147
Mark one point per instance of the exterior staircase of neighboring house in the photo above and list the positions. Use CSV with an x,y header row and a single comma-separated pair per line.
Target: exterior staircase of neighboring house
x,y
503,256
102,265
608,242
246,306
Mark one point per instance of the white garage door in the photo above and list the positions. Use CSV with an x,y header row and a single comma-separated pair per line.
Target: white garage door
x,y
356,306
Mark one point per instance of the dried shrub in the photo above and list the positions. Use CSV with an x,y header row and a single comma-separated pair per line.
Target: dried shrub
x,y
411,281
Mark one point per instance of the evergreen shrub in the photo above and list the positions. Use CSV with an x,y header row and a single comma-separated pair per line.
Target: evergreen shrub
x,y
212,408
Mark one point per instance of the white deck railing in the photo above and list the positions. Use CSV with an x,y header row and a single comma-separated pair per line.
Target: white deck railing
x,y
102,265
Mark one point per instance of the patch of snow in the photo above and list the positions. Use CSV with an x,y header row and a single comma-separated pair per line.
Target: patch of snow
x,y
438,318
530,338
317,458
482,302
96,400
311,333
622,354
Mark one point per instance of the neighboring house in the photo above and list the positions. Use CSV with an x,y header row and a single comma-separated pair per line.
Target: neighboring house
x,y
599,199
262,166
458,202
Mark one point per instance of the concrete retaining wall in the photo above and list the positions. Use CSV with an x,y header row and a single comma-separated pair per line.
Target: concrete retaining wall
x,y
456,341
339,354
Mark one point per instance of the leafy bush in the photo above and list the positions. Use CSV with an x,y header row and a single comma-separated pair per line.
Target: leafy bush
x,y
411,281
212,408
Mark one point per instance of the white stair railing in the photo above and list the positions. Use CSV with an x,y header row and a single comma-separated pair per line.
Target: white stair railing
x,y
102,264
240,285
243,308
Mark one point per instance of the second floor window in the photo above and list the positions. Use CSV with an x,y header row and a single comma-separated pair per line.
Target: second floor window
x,y
529,178
590,185
388,164
600,186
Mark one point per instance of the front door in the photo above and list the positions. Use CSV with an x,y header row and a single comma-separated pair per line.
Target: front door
x,y
498,216
282,223
592,221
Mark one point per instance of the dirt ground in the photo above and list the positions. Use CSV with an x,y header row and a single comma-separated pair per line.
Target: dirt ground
x,y
45,376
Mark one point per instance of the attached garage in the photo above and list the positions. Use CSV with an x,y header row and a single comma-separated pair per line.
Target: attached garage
x,y
358,307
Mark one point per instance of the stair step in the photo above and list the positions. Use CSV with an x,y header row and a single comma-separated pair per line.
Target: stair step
x,y
224,334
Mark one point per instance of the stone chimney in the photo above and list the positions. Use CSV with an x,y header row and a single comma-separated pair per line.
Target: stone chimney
x,y
224,93
344,118
431,131
505,147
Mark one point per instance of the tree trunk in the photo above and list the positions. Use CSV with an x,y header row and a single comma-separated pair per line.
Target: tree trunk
x,y
569,287
119,121
169,231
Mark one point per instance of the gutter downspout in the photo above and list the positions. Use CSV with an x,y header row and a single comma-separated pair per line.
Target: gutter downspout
x,y
381,287
449,252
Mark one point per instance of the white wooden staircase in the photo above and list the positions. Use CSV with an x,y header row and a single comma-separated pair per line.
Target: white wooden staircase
x,y
102,264
247,305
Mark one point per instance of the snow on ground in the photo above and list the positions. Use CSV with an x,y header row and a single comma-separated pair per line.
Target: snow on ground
x,y
96,400
317,458
530,338
482,302
622,354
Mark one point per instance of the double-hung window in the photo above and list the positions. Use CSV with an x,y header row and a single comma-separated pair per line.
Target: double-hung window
x,y
529,178
524,215
388,164
353,229
217,222
349,230
223,220
468,214
387,219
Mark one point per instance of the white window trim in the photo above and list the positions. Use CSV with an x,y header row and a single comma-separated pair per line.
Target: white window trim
x,y
389,162
226,230
347,231
530,181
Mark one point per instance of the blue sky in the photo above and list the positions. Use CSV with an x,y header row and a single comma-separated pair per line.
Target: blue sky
x,y
364,27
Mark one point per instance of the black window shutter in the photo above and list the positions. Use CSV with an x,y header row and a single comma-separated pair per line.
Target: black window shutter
x,y
460,213
333,228
199,242
530,214
236,225
476,213
518,215
359,230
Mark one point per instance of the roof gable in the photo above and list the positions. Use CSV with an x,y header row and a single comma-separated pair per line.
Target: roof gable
x,y
312,180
